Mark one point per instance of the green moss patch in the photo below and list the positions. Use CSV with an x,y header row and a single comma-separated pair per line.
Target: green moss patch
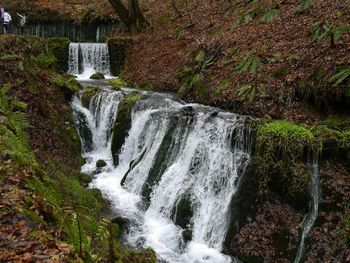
x,y
117,83
281,147
97,75
282,150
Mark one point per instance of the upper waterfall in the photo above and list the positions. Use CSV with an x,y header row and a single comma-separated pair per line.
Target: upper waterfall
x,y
180,167
86,59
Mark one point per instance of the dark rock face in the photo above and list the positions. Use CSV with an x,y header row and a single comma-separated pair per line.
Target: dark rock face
x,y
59,46
183,212
84,131
100,163
118,50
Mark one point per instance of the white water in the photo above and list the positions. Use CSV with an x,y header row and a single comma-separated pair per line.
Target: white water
x,y
201,162
86,59
310,218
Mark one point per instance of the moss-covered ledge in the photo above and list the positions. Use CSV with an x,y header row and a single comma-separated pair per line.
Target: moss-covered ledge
x,y
118,50
281,153
59,46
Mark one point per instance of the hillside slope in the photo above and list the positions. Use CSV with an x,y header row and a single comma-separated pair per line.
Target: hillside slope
x,y
293,70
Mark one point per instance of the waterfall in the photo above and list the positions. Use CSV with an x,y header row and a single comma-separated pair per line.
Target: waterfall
x,y
98,122
174,153
310,218
86,59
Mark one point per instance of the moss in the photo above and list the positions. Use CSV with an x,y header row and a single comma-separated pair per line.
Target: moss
x,y
97,75
89,92
117,83
123,123
60,49
281,149
68,86
118,51
143,256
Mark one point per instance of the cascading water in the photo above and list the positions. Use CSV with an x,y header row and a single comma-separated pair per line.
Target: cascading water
x,y
310,218
86,59
174,153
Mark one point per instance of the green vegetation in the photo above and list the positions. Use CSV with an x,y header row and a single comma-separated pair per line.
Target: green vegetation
x,y
97,75
69,86
13,123
326,31
250,62
117,83
60,49
88,93
251,91
304,5
282,149
280,153
191,78
342,76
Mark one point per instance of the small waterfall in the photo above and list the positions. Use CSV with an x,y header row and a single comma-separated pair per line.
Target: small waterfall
x,y
86,59
310,218
95,125
179,152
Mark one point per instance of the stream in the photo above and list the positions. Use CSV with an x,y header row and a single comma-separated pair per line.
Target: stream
x,y
179,167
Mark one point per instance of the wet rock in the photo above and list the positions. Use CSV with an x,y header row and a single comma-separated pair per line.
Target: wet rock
x,y
187,235
182,212
188,111
120,221
100,163
132,165
97,75
122,124
214,114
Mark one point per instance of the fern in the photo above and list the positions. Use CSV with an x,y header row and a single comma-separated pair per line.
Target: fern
x,y
269,15
304,5
244,19
250,62
18,149
341,76
326,31
250,91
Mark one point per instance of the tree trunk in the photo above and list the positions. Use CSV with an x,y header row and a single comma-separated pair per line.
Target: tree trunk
x,y
132,16
137,20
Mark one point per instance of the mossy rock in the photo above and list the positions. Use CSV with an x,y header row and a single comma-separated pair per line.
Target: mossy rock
x,y
117,83
97,75
281,150
88,93
100,163
68,86
59,46
118,51
122,124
